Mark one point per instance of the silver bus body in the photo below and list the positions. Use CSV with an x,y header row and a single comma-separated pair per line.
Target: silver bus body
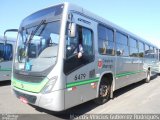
x,y
69,81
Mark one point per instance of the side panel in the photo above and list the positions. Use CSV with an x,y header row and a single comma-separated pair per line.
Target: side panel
x,y
129,70
5,70
123,68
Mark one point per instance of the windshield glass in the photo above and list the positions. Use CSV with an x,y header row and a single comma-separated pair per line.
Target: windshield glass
x,y
37,47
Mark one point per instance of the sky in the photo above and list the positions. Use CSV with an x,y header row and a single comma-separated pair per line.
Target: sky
x,y
141,17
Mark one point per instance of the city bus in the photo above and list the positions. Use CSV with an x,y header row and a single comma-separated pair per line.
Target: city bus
x,y
6,56
66,55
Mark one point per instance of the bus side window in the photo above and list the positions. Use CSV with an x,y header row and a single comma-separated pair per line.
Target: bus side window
x,y
133,47
122,44
87,43
105,40
147,48
141,49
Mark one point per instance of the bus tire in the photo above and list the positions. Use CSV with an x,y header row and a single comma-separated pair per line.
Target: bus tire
x,y
148,77
104,92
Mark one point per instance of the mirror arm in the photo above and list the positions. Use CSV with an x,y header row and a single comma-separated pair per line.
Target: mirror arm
x,y
9,30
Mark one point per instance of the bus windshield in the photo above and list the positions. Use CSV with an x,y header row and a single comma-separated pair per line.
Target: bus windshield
x,y
37,47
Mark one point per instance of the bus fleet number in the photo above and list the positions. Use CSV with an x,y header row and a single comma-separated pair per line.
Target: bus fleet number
x,y
80,77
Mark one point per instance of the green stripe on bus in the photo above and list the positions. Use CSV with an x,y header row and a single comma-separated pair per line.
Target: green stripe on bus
x,y
128,73
37,87
72,84
5,69
27,86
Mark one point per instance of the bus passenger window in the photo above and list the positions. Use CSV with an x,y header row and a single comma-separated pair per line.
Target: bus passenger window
x,y
147,51
133,48
105,41
122,45
141,49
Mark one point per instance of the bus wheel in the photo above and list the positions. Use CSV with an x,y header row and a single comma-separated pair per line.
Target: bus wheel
x,y
104,92
147,80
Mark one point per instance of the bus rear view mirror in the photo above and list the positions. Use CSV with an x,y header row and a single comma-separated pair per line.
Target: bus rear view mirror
x,y
72,30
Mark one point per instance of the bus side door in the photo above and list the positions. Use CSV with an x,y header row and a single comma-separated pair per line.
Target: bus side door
x,y
80,72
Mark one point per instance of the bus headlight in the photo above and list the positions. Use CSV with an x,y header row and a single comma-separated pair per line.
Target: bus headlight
x,y
49,86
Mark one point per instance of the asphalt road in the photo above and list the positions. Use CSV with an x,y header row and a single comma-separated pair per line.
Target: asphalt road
x,y
138,98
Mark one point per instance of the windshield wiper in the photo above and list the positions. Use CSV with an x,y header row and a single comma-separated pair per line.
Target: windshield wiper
x,y
35,31
30,37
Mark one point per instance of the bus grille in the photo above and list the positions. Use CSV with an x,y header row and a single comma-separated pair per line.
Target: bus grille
x,y
29,78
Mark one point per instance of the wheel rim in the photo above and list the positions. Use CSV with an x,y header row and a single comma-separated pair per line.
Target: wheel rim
x,y
104,90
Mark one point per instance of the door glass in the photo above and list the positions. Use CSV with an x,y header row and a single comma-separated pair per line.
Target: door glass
x,y
83,42
87,42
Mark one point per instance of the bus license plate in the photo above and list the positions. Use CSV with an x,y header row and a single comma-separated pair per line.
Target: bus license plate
x,y
24,100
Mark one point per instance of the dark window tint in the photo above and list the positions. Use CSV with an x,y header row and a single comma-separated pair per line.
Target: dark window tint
x,y
105,40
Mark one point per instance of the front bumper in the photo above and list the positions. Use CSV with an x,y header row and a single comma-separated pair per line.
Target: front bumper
x,y
53,101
